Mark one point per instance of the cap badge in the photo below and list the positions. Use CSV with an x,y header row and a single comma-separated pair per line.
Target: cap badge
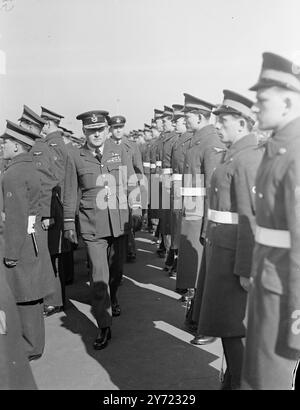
x,y
94,118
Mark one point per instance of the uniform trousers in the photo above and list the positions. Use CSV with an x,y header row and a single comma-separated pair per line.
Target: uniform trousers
x,y
106,256
267,364
233,350
33,326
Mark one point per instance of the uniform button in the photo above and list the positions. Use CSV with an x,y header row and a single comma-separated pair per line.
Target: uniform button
x,y
9,194
102,166
216,189
55,158
260,195
38,164
254,189
282,151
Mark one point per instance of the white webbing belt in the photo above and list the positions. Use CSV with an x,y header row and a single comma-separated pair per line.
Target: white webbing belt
x,y
158,163
222,217
167,171
187,191
177,177
146,164
273,237
152,166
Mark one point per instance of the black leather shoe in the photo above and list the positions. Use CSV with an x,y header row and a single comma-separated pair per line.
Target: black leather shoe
x,y
51,310
116,310
202,340
102,339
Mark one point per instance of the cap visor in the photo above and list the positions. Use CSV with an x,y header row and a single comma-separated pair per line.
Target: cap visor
x,y
95,126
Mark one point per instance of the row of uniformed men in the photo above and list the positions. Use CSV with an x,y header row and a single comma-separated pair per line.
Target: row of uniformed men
x,y
39,184
235,236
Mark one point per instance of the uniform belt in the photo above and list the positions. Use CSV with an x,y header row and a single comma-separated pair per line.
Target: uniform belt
x,y
273,237
167,171
177,177
146,164
158,163
187,191
152,166
222,217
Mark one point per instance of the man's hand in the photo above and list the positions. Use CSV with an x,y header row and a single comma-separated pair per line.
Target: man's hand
x,y
245,283
10,263
71,236
47,223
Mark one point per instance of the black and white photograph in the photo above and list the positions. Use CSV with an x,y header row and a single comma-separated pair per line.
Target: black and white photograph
x,y
149,198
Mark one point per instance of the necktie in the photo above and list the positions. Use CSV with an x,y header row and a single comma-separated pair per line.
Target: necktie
x,y
98,154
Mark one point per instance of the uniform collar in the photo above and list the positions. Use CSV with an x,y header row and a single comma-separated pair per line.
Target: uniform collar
x,y
25,157
53,135
248,141
279,141
204,132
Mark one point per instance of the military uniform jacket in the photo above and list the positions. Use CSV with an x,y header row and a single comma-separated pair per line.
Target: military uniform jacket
x,y
15,371
134,156
232,189
59,153
179,149
202,157
103,208
278,208
230,245
45,166
21,186
146,158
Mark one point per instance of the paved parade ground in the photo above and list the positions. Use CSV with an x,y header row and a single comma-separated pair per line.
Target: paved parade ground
x,y
149,349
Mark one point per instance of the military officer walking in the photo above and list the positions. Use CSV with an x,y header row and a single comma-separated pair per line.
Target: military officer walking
x,y
230,233
273,331
103,215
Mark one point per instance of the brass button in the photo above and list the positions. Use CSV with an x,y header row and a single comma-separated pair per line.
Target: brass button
x,y
260,195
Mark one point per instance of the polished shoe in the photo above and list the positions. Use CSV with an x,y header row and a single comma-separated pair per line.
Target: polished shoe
x,y
51,310
172,274
203,340
34,357
116,310
102,339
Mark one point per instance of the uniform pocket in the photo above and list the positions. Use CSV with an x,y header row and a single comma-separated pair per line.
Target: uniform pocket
x,y
272,278
87,178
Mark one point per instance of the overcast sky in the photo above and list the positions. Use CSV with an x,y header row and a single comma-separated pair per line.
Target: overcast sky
x,y
130,56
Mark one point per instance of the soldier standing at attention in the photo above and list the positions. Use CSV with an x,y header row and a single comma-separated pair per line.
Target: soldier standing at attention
x,y
24,254
60,248
230,233
177,157
134,174
103,215
45,166
163,167
15,371
273,330
200,160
